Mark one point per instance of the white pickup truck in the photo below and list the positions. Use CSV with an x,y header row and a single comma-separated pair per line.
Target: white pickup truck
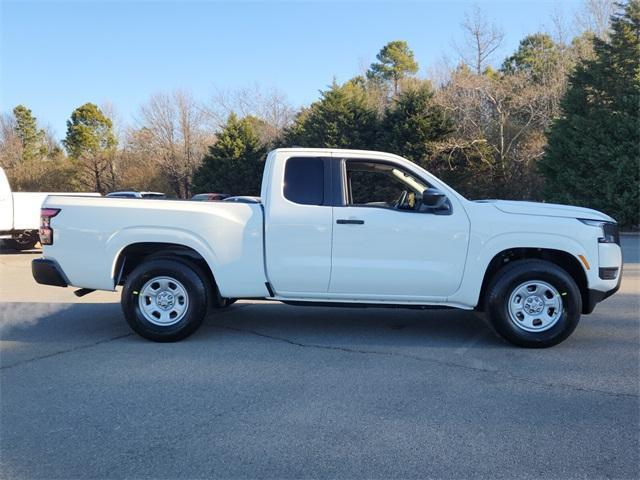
x,y
338,228
20,214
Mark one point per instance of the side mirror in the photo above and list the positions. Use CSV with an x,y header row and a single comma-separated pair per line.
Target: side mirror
x,y
433,198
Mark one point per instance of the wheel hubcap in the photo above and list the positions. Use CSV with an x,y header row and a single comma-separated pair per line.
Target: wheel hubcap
x,y
535,306
163,301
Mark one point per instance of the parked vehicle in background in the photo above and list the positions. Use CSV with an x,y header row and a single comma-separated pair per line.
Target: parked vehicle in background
x,y
338,228
243,199
136,195
209,197
20,214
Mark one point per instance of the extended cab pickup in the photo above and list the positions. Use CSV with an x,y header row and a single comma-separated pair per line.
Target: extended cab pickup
x,y
337,227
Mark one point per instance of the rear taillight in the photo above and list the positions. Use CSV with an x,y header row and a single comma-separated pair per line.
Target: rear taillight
x,y
46,232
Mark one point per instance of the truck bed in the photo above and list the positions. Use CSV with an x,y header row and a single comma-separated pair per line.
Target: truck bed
x,y
90,234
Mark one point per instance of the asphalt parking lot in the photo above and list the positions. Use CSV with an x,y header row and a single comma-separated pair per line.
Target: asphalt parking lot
x,y
272,391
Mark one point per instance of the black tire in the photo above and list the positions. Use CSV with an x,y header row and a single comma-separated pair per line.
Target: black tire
x,y
189,278
214,299
507,280
25,240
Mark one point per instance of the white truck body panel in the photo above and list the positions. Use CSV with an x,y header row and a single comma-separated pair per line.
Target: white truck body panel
x,y
394,257
398,255
6,203
26,209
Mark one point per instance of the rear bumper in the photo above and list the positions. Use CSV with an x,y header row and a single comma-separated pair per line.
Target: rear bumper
x,y
48,272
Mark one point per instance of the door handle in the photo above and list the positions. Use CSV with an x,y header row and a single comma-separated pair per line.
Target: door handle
x,y
343,221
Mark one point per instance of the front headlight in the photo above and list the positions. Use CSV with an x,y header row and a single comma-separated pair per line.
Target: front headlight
x,y
610,233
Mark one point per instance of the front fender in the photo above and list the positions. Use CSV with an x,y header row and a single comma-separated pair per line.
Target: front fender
x,y
482,252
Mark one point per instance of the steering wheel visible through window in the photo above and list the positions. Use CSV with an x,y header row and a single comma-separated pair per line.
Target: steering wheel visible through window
x,y
378,184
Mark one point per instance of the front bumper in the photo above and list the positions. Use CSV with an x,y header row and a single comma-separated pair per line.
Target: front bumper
x,y
596,296
48,272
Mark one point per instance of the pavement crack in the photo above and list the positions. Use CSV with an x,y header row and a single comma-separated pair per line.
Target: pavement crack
x,y
361,351
61,352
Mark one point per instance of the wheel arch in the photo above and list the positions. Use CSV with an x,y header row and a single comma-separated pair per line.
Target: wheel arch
x,y
568,262
133,254
129,243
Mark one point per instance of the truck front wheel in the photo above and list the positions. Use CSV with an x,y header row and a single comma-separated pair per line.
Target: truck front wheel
x,y
533,303
165,300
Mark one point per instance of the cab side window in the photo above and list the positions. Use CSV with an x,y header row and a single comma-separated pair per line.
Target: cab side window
x,y
373,188
304,180
383,185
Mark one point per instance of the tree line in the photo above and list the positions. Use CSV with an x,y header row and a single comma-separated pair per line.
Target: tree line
x,y
558,120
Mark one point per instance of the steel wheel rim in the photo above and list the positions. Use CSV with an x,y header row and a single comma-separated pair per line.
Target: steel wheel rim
x,y
535,306
163,301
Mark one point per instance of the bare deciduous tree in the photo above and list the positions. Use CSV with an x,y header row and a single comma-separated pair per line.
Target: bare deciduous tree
x,y
500,120
113,158
10,144
173,134
594,17
269,105
139,168
50,171
558,29
482,39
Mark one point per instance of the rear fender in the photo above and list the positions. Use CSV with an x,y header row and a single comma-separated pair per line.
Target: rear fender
x,y
128,236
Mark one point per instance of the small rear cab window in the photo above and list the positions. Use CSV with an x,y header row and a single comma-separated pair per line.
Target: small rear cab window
x,y
304,180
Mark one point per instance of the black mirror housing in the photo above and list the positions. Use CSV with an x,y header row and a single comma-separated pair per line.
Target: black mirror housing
x,y
433,198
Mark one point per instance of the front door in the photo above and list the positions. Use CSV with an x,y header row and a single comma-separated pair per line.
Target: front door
x,y
386,245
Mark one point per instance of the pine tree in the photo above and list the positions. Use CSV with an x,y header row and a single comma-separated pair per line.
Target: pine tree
x,y
395,62
90,141
89,131
538,56
342,118
31,138
593,152
413,123
235,162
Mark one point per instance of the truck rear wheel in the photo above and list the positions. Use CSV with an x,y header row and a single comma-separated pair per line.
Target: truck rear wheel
x,y
25,240
165,300
533,303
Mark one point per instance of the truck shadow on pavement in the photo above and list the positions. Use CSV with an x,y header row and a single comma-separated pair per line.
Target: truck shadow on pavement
x,y
66,322
34,330
362,326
